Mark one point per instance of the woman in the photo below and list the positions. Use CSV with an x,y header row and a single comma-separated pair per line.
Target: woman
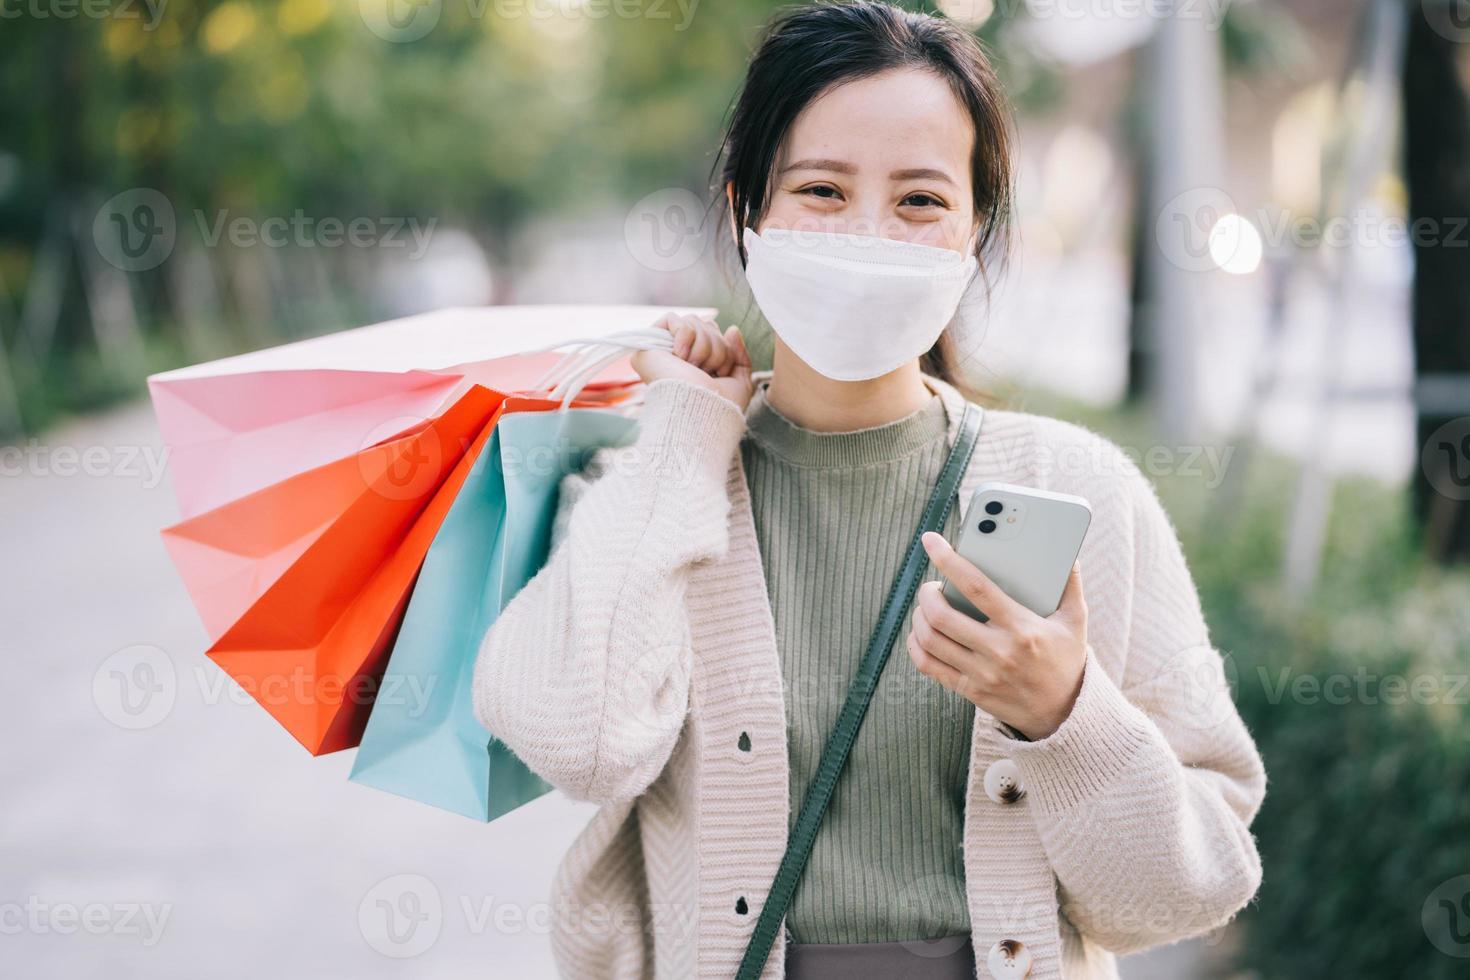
x,y
1027,796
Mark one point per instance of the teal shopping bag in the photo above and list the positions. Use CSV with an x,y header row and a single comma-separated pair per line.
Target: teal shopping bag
x,y
423,740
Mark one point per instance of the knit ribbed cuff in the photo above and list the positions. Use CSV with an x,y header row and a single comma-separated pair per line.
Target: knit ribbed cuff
x,y
1098,745
687,430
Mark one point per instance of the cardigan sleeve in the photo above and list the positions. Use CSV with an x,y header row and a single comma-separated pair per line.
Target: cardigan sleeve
x,y
585,673
1145,794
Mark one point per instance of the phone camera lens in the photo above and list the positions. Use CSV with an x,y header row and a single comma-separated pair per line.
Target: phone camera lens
x,y
986,526
994,507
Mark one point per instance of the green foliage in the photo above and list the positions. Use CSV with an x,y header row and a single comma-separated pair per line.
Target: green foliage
x,y
1357,700
1368,759
506,110
1260,38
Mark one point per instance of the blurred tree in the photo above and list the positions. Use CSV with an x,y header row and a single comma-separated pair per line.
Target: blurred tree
x,y
1256,40
495,114
1437,166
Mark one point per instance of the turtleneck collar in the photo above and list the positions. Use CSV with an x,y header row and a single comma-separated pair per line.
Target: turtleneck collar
x,y
856,447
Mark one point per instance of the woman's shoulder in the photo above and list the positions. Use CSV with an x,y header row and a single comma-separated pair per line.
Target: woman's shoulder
x,y
1050,453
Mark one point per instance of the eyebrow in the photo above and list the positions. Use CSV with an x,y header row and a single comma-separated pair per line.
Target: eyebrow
x,y
921,173
842,167
836,166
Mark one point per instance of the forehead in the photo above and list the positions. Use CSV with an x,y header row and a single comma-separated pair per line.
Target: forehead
x,y
899,119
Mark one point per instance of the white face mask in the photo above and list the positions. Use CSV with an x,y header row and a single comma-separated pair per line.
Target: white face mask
x,y
854,307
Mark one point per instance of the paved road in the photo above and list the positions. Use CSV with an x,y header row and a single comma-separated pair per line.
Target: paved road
x,y
154,825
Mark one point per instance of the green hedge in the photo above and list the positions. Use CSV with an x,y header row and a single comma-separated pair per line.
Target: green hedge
x,y
1367,808
1357,700
1366,822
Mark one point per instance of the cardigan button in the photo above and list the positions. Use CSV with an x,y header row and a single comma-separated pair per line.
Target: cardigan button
x,y
743,748
1003,782
1009,959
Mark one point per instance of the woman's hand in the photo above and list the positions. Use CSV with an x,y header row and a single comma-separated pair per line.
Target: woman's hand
x,y
1023,669
703,355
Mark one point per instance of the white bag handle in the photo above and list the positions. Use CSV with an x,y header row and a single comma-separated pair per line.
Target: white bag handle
x,y
591,357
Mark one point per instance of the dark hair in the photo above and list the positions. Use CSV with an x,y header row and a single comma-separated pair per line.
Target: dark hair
x,y
807,50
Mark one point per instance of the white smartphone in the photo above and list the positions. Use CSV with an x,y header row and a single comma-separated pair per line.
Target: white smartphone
x,y
1026,541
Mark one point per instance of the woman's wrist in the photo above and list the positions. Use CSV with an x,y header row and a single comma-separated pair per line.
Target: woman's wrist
x,y
687,431
1059,701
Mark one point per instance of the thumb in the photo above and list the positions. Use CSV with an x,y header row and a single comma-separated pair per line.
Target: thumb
x,y
638,361
651,365
1073,606
737,342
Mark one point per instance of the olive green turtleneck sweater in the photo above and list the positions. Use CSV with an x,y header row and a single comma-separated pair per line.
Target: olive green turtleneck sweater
x,y
834,515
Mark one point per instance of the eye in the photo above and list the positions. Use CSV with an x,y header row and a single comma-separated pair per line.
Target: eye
x,y
922,200
824,191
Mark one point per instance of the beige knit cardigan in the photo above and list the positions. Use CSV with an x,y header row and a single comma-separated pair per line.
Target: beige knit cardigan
x,y
638,670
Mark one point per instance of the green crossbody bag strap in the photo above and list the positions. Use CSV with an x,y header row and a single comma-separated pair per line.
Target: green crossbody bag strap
x,y
859,695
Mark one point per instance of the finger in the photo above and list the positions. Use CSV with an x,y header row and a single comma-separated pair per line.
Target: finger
x,y
742,370
973,584
960,628
669,322
932,667
736,357
936,643
1073,607
699,347
684,336
729,363
736,339
719,351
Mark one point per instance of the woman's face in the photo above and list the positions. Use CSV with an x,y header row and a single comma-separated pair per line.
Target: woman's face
x,y
887,155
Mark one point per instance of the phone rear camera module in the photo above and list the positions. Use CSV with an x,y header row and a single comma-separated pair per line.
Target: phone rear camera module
x,y
994,507
986,526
